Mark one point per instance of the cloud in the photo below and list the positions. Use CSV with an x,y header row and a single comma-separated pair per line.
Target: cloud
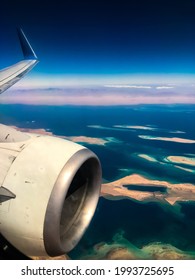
x,y
164,87
126,86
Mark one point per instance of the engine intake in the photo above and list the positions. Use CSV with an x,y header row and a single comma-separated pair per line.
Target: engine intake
x,y
72,203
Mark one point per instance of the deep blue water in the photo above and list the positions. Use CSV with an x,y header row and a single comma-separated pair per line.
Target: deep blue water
x,y
142,223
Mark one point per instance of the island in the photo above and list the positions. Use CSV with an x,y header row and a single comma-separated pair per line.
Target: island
x,y
181,159
174,192
77,139
170,139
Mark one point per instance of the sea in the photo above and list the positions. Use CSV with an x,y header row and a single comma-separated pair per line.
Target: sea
x,y
140,224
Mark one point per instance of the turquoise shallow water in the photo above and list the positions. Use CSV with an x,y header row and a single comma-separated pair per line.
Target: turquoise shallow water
x,y
142,223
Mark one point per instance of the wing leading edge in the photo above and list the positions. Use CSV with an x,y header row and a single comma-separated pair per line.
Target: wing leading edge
x,y
14,73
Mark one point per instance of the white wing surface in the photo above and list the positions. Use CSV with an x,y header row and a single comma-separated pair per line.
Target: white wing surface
x,y
14,73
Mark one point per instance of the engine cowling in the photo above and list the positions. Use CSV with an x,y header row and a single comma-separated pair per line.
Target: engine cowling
x,y
54,187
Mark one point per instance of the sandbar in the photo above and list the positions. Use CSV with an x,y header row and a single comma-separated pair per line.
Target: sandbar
x,y
136,127
183,160
88,140
149,158
170,139
185,169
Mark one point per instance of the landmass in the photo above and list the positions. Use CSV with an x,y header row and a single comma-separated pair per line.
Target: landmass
x,y
183,160
170,139
80,139
147,157
88,140
147,127
136,127
34,130
173,159
175,192
185,169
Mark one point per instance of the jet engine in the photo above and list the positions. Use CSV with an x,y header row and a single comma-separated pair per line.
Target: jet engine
x,y
49,189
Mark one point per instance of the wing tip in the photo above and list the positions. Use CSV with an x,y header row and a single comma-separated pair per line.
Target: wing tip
x,y
27,50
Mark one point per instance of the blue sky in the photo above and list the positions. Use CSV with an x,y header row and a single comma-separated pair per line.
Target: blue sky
x,y
102,40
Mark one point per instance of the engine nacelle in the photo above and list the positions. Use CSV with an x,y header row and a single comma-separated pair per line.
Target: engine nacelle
x,y
49,189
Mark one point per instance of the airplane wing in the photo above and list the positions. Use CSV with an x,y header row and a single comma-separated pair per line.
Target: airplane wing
x,y
14,73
